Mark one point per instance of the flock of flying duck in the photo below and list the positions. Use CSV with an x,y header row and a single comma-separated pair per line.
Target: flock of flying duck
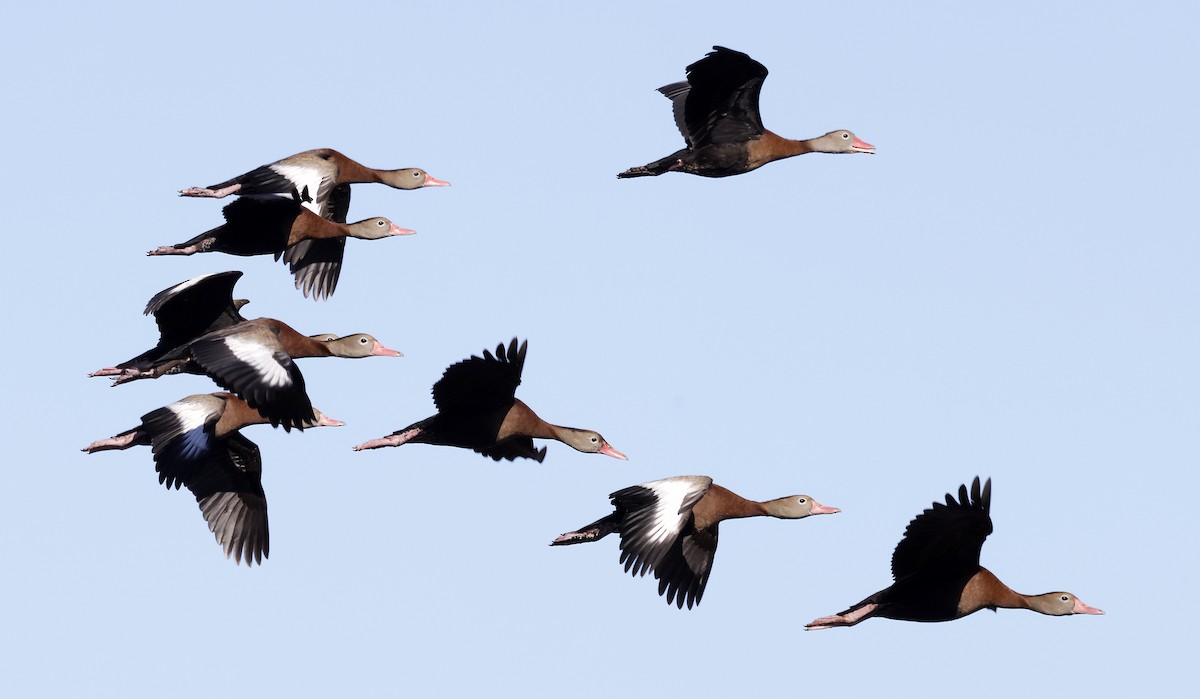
x,y
296,209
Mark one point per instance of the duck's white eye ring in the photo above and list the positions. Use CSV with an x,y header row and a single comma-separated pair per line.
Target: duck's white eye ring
x,y
845,135
1065,598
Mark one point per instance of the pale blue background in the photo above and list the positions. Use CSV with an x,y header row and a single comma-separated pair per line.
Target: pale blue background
x,y
1008,288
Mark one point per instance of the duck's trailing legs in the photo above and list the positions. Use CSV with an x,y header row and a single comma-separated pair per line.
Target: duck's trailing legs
x,y
121,441
849,618
213,193
592,532
393,440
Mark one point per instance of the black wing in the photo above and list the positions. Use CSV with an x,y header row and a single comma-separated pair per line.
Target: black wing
x,y
482,383
339,204
316,265
654,516
250,361
683,571
721,105
947,537
192,308
312,173
230,494
225,475
511,449
260,180
256,225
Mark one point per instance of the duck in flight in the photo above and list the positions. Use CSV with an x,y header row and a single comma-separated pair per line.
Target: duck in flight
x,y
716,110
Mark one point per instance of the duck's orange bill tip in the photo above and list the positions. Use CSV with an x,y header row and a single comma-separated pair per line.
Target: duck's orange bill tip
x,y
861,145
819,509
431,181
607,450
1081,608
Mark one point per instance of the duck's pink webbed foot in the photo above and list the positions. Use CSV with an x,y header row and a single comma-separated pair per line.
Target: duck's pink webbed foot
x,y
211,193
847,619
393,440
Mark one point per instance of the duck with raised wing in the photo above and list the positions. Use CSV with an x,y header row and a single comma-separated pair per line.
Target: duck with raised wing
x,y
716,110
252,358
937,573
478,409
277,226
669,527
197,443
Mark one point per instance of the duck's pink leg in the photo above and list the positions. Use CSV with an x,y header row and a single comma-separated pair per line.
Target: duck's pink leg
x,y
172,250
213,193
577,537
848,619
393,440
121,441
131,375
174,366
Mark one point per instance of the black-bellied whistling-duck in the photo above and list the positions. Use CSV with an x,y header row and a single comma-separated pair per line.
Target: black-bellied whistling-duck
x,y
319,171
716,110
937,572
277,226
321,178
196,443
252,358
478,409
669,527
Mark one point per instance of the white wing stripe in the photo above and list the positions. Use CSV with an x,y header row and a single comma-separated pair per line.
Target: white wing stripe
x,y
260,358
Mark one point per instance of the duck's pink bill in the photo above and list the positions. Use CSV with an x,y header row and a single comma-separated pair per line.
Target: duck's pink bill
x,y
819,509
1081,608
397,230
327,421
380,351
431,181
863,146
607,450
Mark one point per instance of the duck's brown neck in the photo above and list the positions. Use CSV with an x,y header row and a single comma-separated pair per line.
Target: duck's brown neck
x,y
237,414
985,590
295,344
350,172
523,422
310,226
776,147
719,504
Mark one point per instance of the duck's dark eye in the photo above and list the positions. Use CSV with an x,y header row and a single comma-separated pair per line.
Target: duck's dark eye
x,y
802,501
845,135
1065,598
379,223
362,340
417,173
594,440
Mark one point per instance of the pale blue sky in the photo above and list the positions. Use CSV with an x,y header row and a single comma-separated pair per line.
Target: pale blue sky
x,y
1008,289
